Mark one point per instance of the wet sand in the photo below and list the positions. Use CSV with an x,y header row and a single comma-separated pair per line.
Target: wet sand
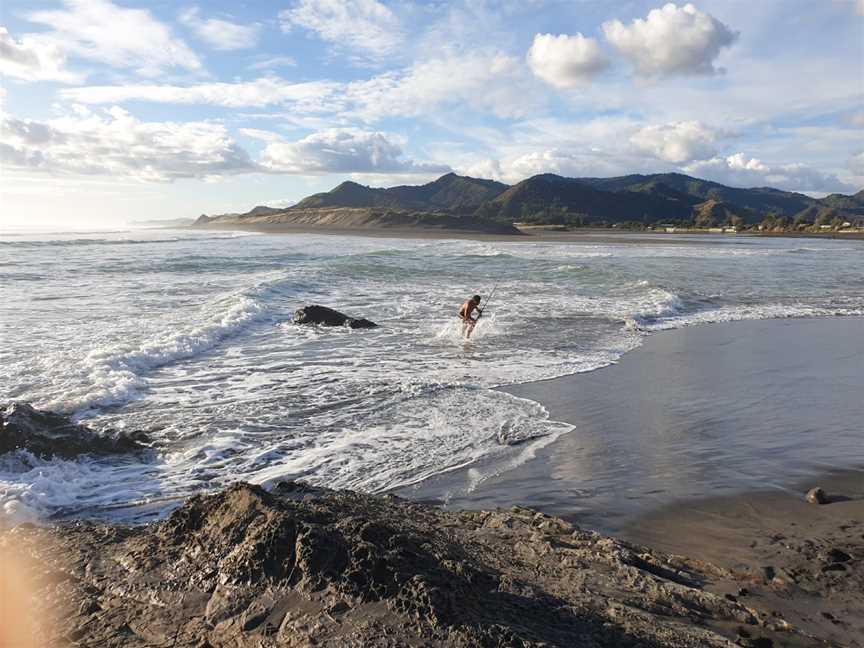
x,y
602,236
703,443
582,236
803,562
758,411
703,411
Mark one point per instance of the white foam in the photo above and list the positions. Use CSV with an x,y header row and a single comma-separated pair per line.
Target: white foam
x,y
739,313
31,488
232,398
116,374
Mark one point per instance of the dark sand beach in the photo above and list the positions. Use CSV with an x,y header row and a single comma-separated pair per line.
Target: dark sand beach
x,y
541,235
695,452
716,409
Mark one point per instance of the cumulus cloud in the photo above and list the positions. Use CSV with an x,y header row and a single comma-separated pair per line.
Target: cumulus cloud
x,y
32,59
566,61
260,92
125,38
342,150
367,27
220,34
739,170
671,41
117,144
678,142
560,161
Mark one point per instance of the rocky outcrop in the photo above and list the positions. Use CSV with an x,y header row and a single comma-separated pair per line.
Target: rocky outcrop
x,y
300,566
47,434
328,317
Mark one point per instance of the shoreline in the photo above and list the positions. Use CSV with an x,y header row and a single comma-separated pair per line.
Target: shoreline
x,y
600,235
757,568
308,566
598,475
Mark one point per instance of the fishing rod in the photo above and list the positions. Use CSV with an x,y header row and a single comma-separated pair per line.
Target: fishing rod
x,y
488,299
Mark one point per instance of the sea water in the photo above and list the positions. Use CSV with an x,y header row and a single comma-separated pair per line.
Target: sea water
x,y
188,336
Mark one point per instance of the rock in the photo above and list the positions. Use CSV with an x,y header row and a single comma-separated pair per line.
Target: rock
x,y
336,568
837,556
834,567
48,434
328,317
816,496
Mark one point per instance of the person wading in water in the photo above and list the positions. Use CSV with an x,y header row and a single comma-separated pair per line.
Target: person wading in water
x,y
465,312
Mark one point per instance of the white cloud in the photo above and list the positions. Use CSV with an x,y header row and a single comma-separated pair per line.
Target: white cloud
x,y
488,168
560,161
32,59
125,38
273,63
677,142
260,134
738,170
566,61
365,26
260,92
859,7
671,41
117,144
485,80
220,34
342,150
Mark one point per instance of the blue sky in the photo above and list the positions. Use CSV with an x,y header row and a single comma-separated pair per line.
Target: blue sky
x,y
115,111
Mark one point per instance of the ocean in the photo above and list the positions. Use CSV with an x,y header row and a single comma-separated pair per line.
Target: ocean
x,y
188,336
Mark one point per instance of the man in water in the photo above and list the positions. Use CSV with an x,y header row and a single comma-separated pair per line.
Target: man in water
x,y
468,322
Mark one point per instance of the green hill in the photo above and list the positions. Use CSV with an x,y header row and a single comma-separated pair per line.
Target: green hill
x,y
853,204
450,192
552,199
759,199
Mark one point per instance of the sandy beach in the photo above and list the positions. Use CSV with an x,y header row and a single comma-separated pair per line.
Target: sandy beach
x,y
650,494
701,411
539,235
755,565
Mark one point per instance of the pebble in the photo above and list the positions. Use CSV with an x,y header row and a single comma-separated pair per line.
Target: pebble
x,y
837,556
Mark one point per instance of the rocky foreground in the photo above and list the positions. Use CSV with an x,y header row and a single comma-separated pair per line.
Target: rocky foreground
x,y
300,566
303,567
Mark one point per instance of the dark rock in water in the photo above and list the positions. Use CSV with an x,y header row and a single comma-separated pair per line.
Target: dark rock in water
x,y
328,317
816,496
48,434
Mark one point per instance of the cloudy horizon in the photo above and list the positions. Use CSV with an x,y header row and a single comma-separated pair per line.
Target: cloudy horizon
x,y
117,111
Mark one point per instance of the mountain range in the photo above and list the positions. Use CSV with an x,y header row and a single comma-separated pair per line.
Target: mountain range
x,y
553,199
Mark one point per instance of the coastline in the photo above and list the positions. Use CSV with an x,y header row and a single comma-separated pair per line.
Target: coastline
x,y
586,235
801,560
758,567
692,412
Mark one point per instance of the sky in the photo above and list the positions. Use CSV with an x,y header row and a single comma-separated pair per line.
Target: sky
x,y
121,111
